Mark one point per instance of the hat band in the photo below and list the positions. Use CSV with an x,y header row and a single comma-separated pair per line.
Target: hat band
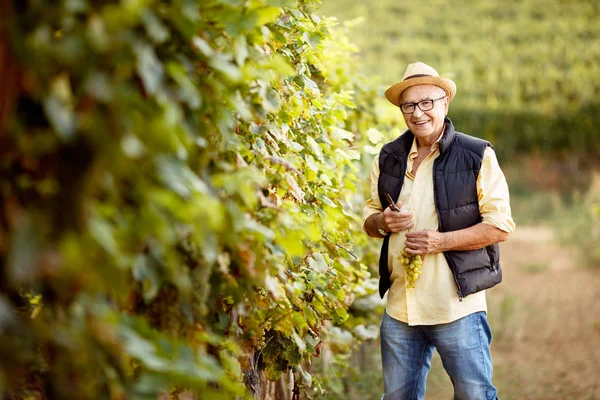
x,y
416,76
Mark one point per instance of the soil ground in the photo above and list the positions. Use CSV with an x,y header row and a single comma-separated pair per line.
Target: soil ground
x,y
546,322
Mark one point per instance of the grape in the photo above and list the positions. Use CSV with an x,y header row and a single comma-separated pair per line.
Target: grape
x,y
412,267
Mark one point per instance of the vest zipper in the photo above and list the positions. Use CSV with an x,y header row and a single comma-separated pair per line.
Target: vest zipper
x,y
459,292
437,210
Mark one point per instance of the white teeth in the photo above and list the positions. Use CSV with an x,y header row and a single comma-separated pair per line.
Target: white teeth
x,y
421,122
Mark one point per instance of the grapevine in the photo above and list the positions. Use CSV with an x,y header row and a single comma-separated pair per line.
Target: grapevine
x,y
206,149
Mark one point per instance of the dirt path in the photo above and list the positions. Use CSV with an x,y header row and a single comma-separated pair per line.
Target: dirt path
x,y
546,321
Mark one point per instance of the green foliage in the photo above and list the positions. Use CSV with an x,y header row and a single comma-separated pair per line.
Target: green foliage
x,y
180,195
577,224
279,354
595,252
525,70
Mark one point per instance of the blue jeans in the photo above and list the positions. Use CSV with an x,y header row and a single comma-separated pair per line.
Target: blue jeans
x,y
463,345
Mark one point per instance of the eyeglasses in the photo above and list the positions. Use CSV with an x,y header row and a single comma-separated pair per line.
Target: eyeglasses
x,y
424,105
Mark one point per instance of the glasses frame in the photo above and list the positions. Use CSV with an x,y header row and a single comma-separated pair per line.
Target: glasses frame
x,y
418,104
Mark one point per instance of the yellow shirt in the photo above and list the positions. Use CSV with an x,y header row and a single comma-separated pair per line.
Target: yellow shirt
x,y
434,300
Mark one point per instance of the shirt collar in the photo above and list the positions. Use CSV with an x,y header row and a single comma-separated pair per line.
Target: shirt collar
x,y
413,149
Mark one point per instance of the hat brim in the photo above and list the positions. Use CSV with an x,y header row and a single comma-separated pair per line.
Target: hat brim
x,y
393,93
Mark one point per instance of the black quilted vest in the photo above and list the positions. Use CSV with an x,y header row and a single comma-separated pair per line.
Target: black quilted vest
x,y
455,173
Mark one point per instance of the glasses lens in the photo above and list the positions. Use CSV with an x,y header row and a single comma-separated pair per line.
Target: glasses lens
x,y
426,105
407,108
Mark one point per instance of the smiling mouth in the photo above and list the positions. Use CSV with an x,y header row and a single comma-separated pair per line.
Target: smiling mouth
x,y
420,122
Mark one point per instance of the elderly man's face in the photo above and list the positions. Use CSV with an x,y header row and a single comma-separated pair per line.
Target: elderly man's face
x,y
427,126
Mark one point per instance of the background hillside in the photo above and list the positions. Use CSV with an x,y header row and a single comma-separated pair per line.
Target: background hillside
x,y
526,71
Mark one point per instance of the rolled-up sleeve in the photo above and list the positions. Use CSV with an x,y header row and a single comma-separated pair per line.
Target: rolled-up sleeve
x,y
493,195
373,205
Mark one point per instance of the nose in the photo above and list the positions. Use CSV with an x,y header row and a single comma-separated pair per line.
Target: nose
x,y
417,113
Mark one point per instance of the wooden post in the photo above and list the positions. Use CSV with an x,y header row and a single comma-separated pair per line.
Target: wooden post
x,y
252,378
8,67
280,392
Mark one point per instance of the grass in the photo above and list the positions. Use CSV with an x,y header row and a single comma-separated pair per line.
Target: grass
x,y
505,316
580,228
573,212
533,268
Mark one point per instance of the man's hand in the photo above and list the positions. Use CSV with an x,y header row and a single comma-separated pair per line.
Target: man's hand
x,y
472,238
396,221
425,242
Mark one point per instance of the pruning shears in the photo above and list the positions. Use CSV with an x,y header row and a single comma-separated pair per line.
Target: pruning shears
x,y
393,205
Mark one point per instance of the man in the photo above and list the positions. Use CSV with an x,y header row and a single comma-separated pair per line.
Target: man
x,y
454,209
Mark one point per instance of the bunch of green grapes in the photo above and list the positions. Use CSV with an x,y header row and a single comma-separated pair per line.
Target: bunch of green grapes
x,y
412,266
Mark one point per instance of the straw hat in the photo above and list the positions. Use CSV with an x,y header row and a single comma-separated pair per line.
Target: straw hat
x,y
419,74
